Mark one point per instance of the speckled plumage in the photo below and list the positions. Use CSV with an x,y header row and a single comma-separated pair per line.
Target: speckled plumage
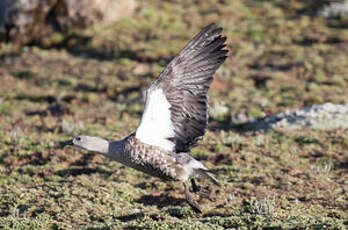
x,y
155,160
151,159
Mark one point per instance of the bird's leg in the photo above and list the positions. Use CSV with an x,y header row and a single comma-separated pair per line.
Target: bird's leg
x,y
195,188
203,192
189,199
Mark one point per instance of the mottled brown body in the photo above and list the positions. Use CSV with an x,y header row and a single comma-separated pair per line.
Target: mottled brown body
x,y
153,160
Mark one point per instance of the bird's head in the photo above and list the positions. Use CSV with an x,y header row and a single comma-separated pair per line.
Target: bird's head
x,y
90,143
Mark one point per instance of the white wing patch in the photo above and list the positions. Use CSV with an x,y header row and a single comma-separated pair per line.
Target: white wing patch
x,y
155,125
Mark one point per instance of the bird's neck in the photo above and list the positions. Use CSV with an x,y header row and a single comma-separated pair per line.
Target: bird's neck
x,y
116,150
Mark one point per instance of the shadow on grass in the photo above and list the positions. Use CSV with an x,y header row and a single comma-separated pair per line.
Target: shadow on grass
x,y
112,227
37,98
237,128
57,110
159,201
130,217
132,228
80,171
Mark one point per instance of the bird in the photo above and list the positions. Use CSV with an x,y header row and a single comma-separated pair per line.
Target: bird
x,y
174,119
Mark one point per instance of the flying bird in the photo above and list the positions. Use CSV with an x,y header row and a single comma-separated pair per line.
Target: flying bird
x,y
175,117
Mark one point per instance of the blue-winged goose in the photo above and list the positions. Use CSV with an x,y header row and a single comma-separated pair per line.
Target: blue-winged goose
x,y
174,119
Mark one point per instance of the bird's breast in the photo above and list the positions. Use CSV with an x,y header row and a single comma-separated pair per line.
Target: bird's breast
x,y
152,160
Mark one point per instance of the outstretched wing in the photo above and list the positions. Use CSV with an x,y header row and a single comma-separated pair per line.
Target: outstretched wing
x,y
176,109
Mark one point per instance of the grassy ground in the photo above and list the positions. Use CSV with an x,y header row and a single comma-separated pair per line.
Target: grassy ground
x,y
91,82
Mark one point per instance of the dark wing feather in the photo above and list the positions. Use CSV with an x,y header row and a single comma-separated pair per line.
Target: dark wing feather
x,y
185,82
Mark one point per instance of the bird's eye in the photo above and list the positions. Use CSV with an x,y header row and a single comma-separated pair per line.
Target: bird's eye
x,y
78,138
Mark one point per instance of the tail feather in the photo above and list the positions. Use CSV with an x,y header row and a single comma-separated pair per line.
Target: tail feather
x,y
207,174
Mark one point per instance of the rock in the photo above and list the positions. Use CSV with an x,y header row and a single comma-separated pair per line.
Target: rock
x,y
88,12
334,10
25,21
327,116
30,21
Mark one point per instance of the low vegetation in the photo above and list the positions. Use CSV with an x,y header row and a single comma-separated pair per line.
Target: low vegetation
x,y
281,57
